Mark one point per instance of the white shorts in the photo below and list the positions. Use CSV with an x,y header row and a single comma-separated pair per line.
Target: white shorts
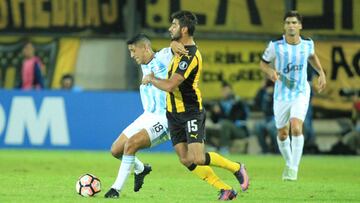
x,y
155,125
285,110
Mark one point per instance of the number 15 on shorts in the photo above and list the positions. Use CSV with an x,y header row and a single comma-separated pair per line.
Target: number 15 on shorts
x,y
192,126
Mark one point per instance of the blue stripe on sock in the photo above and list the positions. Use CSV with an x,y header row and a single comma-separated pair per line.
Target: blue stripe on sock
x,y
128,159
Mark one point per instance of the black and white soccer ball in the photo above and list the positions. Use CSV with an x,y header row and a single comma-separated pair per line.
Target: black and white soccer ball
x,y
88,185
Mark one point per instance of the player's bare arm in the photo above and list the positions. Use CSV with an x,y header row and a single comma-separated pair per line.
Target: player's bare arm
x,y
315,63
168,85
269,71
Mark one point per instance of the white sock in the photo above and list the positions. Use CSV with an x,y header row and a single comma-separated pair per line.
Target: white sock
x,y
124,171
297,144
285,150
139,166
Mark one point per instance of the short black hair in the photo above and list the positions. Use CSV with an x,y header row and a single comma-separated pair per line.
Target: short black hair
x,y
137,38
186,19
67,76
293,14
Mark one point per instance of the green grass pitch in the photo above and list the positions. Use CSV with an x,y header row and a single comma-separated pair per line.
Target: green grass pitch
x,y
50,176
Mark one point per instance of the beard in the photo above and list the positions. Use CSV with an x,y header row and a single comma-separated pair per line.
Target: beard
x,y
176,36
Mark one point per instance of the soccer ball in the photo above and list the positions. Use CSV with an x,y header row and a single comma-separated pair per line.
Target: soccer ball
x,y
88,185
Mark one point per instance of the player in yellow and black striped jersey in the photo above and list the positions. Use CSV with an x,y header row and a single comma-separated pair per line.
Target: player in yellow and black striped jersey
x,y
187,96
185,113
184,104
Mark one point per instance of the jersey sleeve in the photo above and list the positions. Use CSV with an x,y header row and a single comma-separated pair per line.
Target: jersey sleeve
x,y
186,64
269,53
165,55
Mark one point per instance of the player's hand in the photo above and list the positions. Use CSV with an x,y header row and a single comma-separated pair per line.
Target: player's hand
x,y
178,48
147,78
274,76
321,82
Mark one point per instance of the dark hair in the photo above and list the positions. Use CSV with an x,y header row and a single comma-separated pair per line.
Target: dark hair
x,y
293,14
186,19
137,38
67,76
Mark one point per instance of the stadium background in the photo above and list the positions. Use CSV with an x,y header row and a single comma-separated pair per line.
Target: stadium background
x,y
88,38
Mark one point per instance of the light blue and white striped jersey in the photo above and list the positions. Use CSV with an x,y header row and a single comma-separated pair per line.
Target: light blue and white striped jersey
x,y
290,61
152,98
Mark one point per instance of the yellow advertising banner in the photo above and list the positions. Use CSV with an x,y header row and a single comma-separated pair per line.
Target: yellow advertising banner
x,y
66,59
85,17
335,17
341,62
237,62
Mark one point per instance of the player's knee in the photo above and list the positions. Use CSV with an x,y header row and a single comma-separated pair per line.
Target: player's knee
x,y
296,127
296,130
283,134
115,152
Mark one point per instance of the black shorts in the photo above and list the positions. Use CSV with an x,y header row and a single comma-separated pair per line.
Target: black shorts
x,y
187,127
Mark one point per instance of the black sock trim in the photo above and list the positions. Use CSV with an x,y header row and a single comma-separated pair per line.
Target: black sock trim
x,y
192,167
207,158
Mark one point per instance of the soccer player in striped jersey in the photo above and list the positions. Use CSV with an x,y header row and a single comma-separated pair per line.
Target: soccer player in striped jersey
x,y
186,114
285,62
150,128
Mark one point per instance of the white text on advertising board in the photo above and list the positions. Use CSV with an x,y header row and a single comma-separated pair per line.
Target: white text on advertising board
x,y
23,117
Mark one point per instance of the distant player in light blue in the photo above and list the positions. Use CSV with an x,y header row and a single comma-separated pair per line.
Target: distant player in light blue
x,y
150,128
285,62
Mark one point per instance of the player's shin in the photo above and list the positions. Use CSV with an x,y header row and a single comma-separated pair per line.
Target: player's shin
x,y
215,159
285,150
297,144
138,165
207,174
124,171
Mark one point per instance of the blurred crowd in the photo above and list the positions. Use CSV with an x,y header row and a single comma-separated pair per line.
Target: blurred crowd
x,y
231,121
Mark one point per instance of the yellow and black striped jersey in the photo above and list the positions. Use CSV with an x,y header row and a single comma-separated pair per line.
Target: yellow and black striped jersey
x,y
187,96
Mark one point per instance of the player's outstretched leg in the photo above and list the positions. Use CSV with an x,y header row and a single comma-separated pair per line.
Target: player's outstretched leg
x,y
227,195
112,193
207,174
243,178
215,159
139,178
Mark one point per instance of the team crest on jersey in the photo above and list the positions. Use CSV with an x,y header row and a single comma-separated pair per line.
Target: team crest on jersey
x,y
183,65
